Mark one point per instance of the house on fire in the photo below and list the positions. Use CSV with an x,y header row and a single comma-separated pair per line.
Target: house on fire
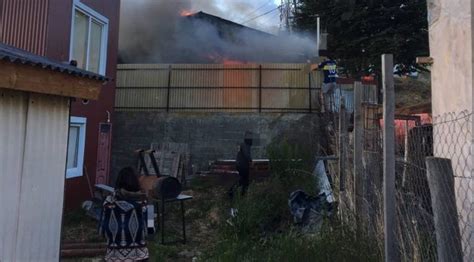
x,y
205,38
55,119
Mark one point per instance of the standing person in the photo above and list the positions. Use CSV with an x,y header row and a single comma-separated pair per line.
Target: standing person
x,y
244,161
329,68
123,220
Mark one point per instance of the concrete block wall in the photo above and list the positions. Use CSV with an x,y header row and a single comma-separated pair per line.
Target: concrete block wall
x,y
211,136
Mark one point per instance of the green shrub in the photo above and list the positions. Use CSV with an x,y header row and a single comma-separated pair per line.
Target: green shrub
x,y
263,228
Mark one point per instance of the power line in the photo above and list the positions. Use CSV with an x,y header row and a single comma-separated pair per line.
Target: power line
x,y
266,13
256,10
269,18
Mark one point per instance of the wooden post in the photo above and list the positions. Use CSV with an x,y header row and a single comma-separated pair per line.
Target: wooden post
x,y
391,247
443,199
342,145
170,69
358,150
406,169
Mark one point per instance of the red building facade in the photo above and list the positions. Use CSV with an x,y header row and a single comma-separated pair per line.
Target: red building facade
x,y
85,31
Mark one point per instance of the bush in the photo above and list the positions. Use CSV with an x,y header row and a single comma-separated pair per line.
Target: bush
x,y
263,229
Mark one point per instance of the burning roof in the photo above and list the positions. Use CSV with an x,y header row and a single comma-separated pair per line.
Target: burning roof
x,y
205,38
223,24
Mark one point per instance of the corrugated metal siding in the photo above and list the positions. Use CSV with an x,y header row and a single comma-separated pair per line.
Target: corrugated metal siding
x,y
42,185
347,91
24,24
211,87
13,108
40,123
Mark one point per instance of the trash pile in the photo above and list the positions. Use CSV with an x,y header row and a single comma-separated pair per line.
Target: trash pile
x,y
310,211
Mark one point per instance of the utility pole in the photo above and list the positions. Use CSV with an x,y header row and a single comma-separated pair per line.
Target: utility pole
x,y
288,12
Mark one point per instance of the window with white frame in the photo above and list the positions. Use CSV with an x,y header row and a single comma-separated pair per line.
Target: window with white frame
x,y
75,148
89,36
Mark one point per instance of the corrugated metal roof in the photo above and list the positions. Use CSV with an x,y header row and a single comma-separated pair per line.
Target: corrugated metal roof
x,y
15,55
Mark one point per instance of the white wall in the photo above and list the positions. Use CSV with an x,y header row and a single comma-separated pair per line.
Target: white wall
x,y
33,143
451,46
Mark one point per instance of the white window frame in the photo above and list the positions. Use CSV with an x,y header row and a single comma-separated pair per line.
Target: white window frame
x,y
81,123
97,17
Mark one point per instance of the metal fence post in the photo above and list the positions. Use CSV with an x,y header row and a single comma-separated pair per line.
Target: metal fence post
x,y
391,247
358,150
260,89
170,69
443,199
309,93
342,145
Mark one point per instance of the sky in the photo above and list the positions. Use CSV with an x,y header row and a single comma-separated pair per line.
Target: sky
x,y
244,10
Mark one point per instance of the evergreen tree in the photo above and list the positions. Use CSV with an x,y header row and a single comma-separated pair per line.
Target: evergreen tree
x,y
361,30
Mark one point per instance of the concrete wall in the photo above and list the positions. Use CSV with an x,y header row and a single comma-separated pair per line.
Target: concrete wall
x,y
451,46
211,136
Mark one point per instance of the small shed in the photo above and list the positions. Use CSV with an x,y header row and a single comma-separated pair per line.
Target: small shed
x,y
35,96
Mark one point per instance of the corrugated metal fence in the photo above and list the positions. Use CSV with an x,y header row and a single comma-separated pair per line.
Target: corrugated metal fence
x,y
210,88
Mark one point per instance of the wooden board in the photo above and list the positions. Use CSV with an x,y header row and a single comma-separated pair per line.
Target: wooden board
x,y
38,80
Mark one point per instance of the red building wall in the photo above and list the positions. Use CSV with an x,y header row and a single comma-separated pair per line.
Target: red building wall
x,y
23,24
79,189
44,27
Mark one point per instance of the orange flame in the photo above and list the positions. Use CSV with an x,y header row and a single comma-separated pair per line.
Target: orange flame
x,y
232,62
186,13
216,58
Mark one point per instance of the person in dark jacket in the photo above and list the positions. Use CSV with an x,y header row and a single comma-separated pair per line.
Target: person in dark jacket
x,y
244,161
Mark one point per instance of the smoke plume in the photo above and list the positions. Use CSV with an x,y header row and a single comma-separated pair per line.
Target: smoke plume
x,y
169,31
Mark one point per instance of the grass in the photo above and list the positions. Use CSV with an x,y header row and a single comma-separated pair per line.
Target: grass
x,y
263,229
78,227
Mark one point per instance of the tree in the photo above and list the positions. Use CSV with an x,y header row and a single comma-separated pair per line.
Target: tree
x,y
361,30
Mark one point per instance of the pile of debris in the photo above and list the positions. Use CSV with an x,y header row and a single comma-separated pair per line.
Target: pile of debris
x,y
310,211
260,167
166,159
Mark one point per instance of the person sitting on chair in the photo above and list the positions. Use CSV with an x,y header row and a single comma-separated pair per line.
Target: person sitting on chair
x,y
123,220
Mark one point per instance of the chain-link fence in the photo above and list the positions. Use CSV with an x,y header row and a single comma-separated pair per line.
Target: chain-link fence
x,y
434,186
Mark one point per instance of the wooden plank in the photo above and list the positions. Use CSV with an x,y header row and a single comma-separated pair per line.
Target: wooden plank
x,y
38,80
342,145
443,199
424,60
358,150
